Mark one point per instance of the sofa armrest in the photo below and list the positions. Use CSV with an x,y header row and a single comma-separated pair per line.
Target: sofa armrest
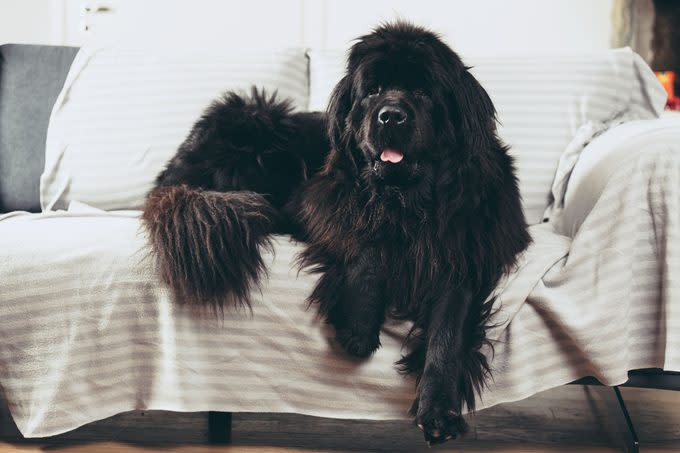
x,y
31,77
602,157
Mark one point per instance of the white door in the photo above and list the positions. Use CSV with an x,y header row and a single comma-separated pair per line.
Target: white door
x,y
193,24
479,27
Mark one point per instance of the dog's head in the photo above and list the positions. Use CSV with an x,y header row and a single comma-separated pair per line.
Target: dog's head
x,y
406,101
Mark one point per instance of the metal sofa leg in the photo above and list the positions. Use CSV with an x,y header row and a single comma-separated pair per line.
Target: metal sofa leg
x,y
219,428
632,443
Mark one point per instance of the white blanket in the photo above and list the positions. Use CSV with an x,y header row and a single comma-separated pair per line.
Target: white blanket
x,y
86,331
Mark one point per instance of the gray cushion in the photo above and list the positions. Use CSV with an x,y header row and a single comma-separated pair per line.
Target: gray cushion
x,y
30,80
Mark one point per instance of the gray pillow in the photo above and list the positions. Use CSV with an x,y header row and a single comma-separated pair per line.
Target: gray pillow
x,y
31,78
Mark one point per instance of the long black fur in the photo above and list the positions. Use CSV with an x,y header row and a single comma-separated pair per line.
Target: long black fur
x,y
217,202
425,239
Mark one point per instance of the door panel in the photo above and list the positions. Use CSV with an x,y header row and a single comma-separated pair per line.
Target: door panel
x,y
197,24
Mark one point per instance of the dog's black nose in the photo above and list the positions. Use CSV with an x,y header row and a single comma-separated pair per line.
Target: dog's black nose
x,y
390,114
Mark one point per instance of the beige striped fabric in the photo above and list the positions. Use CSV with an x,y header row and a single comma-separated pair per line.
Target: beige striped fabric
x,y
594,168
87,332
123,113
613,304
94,334
548,106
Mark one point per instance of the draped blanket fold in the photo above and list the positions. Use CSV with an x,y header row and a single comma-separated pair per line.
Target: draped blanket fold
x,y
87,331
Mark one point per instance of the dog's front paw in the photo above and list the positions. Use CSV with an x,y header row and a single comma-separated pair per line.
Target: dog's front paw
x,y
438,422
355,345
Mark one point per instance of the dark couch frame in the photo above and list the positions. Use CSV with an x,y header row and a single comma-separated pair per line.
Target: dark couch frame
x,y
650,378
219,423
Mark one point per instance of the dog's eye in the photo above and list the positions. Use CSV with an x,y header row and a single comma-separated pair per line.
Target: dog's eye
x,y
374,91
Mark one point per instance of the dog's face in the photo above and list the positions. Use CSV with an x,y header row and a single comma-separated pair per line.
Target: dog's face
x,y
405,101
392,117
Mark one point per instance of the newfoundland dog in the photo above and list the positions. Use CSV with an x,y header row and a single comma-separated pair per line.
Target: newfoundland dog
x,y
403,192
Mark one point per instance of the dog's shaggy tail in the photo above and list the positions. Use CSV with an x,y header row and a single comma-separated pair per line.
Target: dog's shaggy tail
x,y
207,244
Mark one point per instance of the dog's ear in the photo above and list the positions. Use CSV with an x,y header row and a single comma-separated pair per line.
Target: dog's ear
x,y
339,133
339,106
471,109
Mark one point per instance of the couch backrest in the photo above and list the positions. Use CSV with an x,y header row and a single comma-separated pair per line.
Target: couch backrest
x,y
123,113
544,104
31,77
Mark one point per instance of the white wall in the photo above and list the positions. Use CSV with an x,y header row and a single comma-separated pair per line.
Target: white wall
x,y
30,21
471,26
486,27
483,26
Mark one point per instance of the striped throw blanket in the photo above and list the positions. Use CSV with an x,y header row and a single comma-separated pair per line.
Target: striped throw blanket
x,y
87,332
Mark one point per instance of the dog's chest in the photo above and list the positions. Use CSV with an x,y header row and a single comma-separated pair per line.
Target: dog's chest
x,y
413,270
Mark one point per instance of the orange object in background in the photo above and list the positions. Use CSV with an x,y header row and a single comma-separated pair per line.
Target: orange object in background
x,y
667,79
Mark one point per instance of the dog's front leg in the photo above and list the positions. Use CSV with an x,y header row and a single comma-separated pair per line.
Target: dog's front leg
x,y
359,311
443,385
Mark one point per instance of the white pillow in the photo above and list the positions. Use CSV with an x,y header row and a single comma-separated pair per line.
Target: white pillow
x,y
542,102
122,114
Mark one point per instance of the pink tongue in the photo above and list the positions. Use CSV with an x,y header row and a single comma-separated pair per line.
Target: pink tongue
x,y
391,155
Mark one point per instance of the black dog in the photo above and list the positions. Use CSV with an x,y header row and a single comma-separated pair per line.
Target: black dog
x,y
414,212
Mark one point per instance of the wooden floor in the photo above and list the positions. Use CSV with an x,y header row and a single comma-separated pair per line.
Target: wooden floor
x,y
112,447
566,419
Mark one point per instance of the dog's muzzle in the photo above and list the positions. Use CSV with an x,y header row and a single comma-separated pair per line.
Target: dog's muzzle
x,y
392,115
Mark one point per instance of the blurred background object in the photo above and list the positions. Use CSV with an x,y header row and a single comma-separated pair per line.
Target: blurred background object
x,y
668,80
632,25
666,46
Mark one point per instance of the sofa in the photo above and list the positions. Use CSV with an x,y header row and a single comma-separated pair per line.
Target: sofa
x,y
87,330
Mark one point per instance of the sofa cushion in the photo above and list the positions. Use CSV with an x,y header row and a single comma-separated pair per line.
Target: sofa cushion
x,y
123,113
543,102
30,80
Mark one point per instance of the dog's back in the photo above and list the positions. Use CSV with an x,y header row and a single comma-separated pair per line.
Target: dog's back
x,y
220,197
